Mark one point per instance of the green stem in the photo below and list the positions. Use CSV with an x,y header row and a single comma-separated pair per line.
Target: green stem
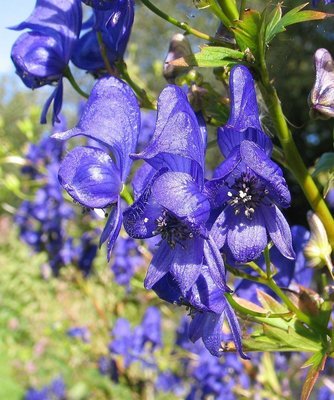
x,y
236,306
257,269
145,100
242,9
267,261
230,9
182,25
292,156
76,87
126,195
104,55
291,306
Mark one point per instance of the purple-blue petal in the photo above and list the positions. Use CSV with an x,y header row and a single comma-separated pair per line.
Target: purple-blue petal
x,y
62,18
140,218
187,263
38,59
215,263
180,194
177,142
244,120
113,226
57,98
279,230
161,263
256,159
99,4
235,329
90,177
246,238
111,117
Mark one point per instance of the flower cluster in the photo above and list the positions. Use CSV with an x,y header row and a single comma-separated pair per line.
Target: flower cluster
x,y
43,221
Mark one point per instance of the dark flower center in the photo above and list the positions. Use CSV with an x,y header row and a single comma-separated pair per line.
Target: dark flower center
x,y
172,229
246,194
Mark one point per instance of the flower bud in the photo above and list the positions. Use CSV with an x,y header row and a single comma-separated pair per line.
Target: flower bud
x,y
318,249
321,98
179,47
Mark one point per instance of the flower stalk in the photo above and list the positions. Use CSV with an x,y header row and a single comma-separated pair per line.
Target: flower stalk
x,y
182,25
292,156
68,74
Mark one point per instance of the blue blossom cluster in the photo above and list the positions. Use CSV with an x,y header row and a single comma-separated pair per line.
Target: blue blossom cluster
x,y
43,221
133,345
199,223
56,390
41,55
203,376
236,212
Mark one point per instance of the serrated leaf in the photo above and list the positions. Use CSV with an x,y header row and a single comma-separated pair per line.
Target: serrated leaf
x,y
210,56
269,303
317,363
272,20
324,164
295,16
247,31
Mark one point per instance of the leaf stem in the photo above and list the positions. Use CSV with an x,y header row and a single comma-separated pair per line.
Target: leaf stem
x,y
68,74
182,25
236,306
126,195
146,101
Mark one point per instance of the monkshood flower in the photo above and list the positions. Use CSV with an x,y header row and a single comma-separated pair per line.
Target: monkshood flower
x,y
89,175
289,272
208,309
248,185
41,55
321,98
172,203
114,25
140,343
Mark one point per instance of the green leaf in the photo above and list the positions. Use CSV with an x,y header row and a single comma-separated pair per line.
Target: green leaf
x,y
317,363
247,31
294,16
271,21
269,303
210,56
324,164
295,337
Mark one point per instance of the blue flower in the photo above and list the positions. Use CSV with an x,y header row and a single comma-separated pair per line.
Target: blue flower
x,y
208,309
41,55
115,25
89,175
248,185
173,204
321,98
140,343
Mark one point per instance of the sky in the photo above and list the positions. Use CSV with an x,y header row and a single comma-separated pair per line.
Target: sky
x,y
15,11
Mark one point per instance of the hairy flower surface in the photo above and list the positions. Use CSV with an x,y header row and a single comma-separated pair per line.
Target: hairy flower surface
x,y
41,55
248,185
90,176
